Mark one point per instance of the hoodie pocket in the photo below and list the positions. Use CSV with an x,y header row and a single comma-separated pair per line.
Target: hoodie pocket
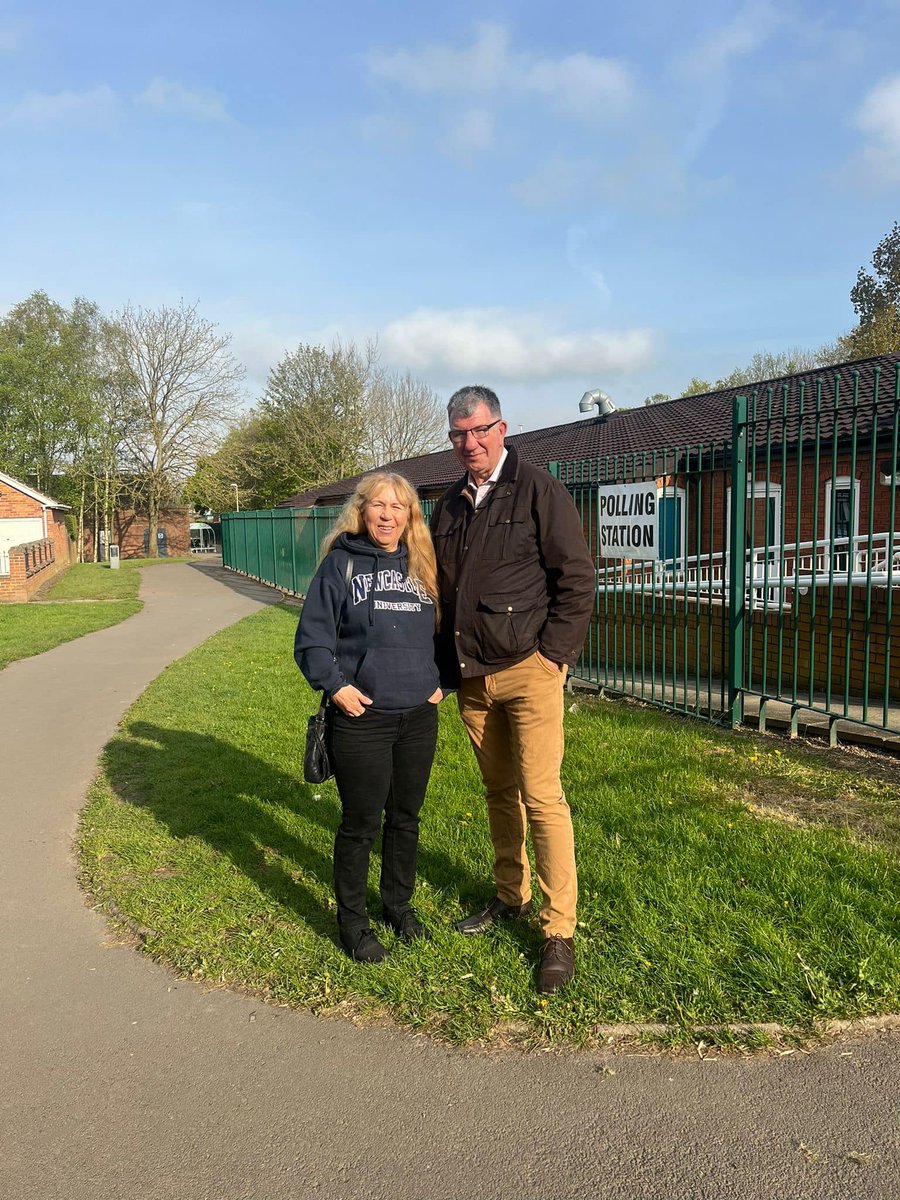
x,y
395,676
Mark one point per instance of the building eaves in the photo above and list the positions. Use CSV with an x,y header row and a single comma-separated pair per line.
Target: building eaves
x,y
47,501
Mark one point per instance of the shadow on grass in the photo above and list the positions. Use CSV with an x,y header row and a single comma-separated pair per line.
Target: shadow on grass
x,y
266,821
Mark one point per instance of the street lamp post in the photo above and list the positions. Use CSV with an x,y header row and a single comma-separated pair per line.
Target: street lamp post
x,y
237,498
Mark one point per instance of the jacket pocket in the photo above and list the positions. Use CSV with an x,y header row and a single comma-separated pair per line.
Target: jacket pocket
x,y
507,627
510,533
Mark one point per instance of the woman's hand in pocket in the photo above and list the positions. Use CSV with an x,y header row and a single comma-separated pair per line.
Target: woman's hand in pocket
x,y
351,700
436,696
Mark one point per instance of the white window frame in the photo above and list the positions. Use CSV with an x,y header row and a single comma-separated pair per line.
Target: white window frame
x,y
759,491
674,493
841,482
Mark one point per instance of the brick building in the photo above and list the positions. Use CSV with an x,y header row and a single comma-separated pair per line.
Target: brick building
x,y
34,540
132,534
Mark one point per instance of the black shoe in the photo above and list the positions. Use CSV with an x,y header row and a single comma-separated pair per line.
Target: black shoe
x,y
495,912
557,964
408,927
364,947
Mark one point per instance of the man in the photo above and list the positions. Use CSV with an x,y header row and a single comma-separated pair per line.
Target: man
x,y
517,591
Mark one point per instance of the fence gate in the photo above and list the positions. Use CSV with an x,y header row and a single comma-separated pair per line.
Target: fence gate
x,y
656,522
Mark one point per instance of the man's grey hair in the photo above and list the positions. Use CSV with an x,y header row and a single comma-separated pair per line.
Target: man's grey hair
x,y
464,402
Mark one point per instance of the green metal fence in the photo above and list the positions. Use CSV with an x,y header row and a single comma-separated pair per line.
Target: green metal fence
x,y
776,585
822,569
773,590
281,546
659,631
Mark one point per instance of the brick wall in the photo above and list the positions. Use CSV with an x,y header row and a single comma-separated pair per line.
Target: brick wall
x,y
33,564
131,528
680,630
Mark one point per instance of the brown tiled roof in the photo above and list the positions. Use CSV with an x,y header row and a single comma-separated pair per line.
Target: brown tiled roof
x,y
688,421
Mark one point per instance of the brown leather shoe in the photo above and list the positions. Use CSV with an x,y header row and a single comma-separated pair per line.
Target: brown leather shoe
x,y
557,964
495,911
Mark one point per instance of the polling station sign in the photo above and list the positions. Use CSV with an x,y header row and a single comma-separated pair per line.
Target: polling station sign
x,y
629,526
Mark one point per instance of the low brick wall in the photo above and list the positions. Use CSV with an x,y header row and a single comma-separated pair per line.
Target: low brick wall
x,y
31,565
698,634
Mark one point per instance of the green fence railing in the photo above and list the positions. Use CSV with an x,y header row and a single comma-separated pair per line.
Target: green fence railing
x,y
773,589
281,546
776,583
823,549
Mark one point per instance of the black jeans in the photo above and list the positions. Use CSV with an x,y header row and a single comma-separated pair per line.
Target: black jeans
x,y
382,761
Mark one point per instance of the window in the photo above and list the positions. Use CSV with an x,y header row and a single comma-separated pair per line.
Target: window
x,y
841,519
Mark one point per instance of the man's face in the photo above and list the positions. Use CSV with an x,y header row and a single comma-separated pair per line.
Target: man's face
x,y
479,454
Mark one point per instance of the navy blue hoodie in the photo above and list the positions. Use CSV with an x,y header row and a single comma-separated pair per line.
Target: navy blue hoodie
x,y
386,647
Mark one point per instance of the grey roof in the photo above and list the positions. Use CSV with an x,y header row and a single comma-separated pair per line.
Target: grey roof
x,y
675,425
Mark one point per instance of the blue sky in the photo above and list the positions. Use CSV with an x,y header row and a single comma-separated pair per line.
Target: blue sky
x,y
618,196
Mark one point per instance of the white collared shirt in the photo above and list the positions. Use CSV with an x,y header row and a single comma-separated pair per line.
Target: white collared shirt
x,y
482,489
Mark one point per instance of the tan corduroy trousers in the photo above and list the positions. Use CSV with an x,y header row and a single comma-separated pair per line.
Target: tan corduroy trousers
x,y
515,722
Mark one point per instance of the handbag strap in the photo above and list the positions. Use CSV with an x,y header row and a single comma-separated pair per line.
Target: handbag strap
x,y
348,575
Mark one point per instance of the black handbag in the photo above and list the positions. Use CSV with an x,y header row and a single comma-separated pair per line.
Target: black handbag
x,y
317,766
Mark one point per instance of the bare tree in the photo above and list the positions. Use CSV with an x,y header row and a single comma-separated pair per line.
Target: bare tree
x,y
404,418
183,389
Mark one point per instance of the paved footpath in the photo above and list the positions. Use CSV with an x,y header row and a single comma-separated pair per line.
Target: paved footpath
x,y
118,1080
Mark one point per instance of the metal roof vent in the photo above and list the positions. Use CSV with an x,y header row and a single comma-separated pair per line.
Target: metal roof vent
x,y
602,401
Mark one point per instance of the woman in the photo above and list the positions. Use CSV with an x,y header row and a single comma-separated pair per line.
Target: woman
x,y
366,638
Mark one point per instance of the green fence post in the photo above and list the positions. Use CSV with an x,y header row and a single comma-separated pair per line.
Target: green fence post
x,y
737,590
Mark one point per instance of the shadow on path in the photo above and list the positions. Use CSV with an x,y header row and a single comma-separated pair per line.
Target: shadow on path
x,y
253,589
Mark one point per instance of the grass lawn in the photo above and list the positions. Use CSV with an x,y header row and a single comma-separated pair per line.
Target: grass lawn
x,y
28,629
94,581
724,878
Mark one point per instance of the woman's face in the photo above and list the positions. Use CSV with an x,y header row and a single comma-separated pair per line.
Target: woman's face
x,y
385,518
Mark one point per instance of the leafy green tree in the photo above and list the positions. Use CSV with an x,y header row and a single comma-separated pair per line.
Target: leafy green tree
x,y
313,416
47,386
697,387
876,302
240,463
765,366
656,398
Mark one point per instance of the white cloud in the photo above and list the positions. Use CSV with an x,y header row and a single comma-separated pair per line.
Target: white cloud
x,y
648,176
173,98
499,344
751,27
443,69
582,85
879,120
470,135
879,116
96,107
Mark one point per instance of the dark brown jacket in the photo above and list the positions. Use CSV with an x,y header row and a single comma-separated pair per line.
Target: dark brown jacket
x,y
515,574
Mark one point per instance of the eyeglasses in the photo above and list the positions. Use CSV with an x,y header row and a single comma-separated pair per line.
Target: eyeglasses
x,y
458,436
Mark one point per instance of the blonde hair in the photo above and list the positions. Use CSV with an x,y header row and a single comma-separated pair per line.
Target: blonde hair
x,y
420,560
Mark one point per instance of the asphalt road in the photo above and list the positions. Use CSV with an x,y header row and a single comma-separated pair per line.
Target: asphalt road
x,y
119,1081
